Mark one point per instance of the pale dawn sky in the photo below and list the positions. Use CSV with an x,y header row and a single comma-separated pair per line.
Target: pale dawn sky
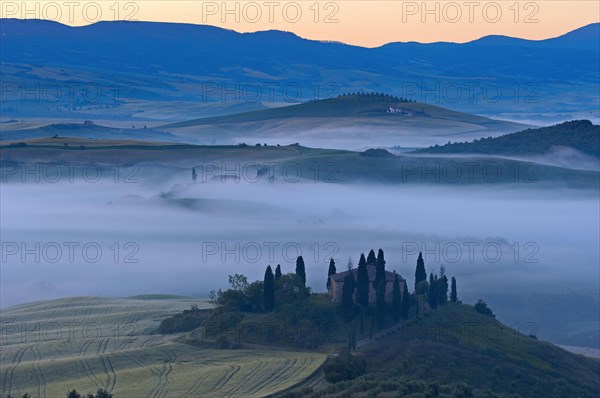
x,y
364,23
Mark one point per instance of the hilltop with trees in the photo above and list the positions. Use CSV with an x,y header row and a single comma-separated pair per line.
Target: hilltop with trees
x,y
403,343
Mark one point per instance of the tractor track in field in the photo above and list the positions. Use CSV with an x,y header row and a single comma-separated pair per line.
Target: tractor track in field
x,y
10,370
107,366
288,364
162,386
233,369
299,368
164,381
314,379
89,372
249,376
37,370
197,384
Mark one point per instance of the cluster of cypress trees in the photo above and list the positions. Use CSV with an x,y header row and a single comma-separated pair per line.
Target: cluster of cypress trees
x,y
356,292
436,289
437,293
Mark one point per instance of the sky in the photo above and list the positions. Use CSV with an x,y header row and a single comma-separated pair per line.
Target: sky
x,y
363,23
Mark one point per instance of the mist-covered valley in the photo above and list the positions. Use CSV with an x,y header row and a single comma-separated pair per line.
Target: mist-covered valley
x,y
173,236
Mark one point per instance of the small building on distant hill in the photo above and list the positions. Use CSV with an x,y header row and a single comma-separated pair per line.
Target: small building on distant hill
x,y
337,283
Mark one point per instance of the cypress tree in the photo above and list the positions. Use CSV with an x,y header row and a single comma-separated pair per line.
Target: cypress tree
x,y
405,301
432,295
379,270
348,298
278,272
453,296
396,299
362,282
301,270
420,273
268,290
380,305
371,258
442,289
331,271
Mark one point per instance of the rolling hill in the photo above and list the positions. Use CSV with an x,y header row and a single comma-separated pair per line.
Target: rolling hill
x,y
455,351
155,162
339,122
162,62
580,135
86,131
342,122
91,343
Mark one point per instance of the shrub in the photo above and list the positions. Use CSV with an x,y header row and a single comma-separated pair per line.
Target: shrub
x,y
344,367
482,308
184,322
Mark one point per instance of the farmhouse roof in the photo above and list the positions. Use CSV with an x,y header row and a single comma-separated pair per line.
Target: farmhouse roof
x,y
371,270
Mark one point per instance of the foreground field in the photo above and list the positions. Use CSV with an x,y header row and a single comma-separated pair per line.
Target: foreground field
x,y
90,343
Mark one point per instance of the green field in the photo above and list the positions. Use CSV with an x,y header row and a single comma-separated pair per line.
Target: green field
x,y
89,343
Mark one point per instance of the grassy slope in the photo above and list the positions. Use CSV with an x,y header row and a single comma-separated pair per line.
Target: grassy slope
x,y
85,132
334,165
350,115
578,134
339,107
89,343
456,344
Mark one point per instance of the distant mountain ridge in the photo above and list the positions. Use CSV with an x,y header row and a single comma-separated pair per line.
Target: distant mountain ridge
x,y
587,33
168,62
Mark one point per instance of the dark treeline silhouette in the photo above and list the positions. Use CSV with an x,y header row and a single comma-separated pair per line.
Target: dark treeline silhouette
x,y
100,393
356,299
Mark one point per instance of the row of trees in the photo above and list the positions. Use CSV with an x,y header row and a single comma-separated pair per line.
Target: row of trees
x,y
101,393
388,97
